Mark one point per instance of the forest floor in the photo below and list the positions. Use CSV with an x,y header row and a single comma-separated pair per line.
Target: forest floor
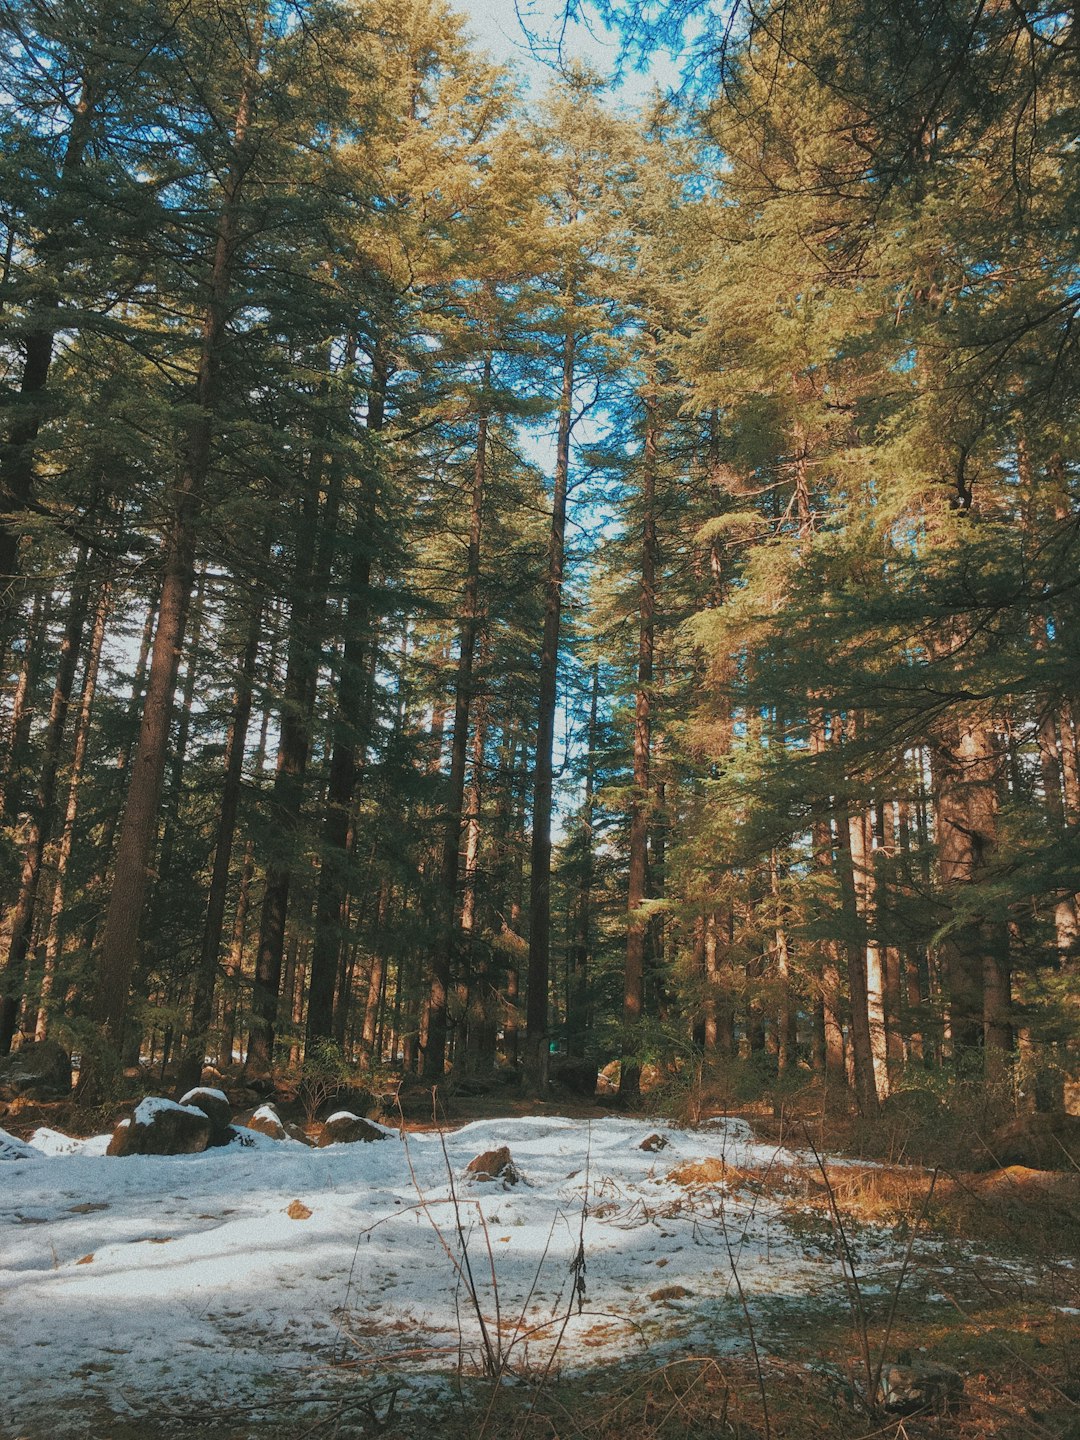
x,y
639,1279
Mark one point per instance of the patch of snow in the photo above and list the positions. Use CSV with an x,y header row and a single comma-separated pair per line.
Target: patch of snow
x,y
13,1149
155,1104
211,1094
186,1276
54,1142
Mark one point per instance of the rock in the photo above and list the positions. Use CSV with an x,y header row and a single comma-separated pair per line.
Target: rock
x,y
494,1165
14,1149
161,1127
577,1076
39,1069
266,1120
345,1128
654,1142
1039,1142
215,1105
907,1389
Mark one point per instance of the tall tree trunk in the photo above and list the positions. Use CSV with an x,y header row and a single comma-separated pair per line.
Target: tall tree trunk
x,y
786,1015
350,727
78,763
202,1007
640,803
536,1003
577,1018
315,548
44,815
120,936
861,832
862,1051
17,460
442,959
975,954
22,701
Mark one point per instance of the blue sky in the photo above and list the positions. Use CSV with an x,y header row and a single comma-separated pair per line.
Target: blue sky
x,y
498,29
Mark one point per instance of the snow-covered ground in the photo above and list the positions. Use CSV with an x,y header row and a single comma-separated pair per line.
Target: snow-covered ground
x,y
186,1283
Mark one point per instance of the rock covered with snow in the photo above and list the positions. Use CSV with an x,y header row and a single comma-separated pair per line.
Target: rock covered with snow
x,y
265,1120
215,1105
40,1070
12,1148
345,1128
161,1127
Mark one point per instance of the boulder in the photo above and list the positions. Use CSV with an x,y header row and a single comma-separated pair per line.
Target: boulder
x,y
161,1127
215,1105
12,1148
39,1070
266,1120
1039,1142
345,1128
577,1076
494,1165
921,1387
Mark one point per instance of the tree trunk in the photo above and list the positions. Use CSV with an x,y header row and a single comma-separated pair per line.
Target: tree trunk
x,y
120,937
577,1018
864,877
78,762
202,1007
44,815
536,1004
350,728
442,960
862,1052
640,803
22,703
38,334
976,952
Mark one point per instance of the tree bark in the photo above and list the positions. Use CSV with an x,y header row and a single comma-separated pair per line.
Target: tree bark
x,y
640,803
202,1007
536,1003
78,763
43,818
120,937
350,728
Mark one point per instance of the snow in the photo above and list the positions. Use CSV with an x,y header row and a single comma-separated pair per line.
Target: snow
x,y
155,1104
156,1278
206,1092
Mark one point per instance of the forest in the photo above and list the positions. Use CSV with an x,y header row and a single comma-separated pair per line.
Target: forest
x,y
514,583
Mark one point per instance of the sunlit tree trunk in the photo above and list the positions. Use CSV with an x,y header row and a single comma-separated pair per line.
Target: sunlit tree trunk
x,y
536,1011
